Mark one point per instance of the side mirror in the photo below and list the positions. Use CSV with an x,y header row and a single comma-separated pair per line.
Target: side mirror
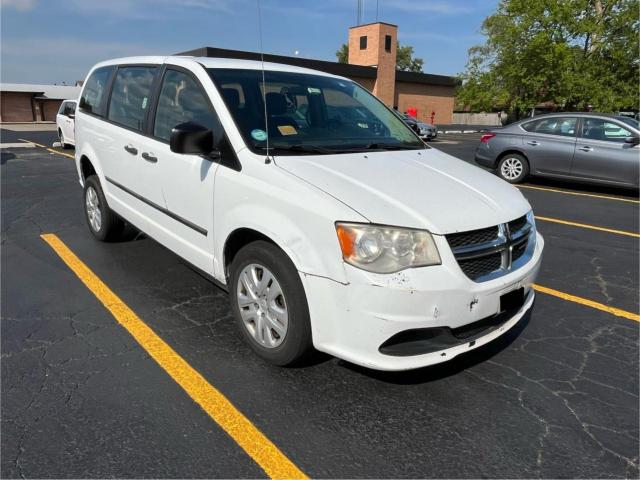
x,y
633,140
191,137
71,115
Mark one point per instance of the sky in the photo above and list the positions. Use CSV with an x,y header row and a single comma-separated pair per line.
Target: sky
x,y
55,41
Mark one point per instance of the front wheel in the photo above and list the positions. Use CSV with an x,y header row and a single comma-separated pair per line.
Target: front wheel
x,y
513,168
269,304
104,224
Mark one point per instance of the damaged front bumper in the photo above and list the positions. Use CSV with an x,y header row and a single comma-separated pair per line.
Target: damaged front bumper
x,y
416,317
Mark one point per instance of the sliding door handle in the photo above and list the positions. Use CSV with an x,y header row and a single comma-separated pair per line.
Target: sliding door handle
x,y
131,149
149,157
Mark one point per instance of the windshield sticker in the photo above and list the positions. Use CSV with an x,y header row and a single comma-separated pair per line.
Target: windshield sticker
x,y
287,130
259,135
314,91
363,125
144,103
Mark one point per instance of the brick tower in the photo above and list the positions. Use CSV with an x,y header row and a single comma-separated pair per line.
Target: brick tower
x,y
374,45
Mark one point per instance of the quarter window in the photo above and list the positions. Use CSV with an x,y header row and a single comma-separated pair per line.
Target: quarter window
x,y
598,129
93,91
563,126
130,96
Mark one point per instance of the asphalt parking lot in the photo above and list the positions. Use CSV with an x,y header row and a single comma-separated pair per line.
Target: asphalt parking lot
x,y
555,397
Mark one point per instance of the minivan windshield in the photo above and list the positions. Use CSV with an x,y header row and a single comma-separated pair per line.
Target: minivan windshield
x,y
311,114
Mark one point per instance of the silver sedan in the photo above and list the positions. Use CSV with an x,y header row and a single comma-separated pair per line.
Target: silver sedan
x,y
587,147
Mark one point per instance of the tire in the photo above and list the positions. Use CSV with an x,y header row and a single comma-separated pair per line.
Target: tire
x,y
63,145
103,223
513,168
265,309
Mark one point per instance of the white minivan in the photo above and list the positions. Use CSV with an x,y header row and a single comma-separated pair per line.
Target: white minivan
x,y
329,222
65,119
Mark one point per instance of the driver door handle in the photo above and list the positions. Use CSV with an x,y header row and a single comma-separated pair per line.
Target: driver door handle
x,y
131,149
149,157
586,148
533,143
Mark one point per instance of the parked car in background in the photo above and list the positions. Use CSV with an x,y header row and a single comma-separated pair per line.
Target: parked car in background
x,y
65,120
424,130
587,147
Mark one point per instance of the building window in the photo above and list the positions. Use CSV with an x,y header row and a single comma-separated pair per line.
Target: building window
x,y
363,43
387,43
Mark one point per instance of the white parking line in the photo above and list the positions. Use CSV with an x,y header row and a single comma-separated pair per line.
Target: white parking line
x,y
17,145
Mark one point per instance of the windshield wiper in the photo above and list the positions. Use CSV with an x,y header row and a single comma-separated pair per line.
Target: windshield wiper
x,y
391,146
297,147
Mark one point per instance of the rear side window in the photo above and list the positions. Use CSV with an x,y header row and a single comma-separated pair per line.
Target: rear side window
x,y
563,126
181,100
94,90
69,108
130,96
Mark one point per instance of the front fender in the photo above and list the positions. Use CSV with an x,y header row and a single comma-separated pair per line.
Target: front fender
x,y
296,216
313,256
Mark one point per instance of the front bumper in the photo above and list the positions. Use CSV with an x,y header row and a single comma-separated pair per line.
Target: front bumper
x,y
428,134
352,321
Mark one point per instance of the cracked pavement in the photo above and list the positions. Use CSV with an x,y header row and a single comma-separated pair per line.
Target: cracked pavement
x,y
555,397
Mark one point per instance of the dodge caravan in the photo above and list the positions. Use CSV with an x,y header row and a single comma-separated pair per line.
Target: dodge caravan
x,y
329,222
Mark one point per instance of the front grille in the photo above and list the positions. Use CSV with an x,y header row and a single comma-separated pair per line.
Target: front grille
x,y
518,250
477,267
517,224
490,252
473,237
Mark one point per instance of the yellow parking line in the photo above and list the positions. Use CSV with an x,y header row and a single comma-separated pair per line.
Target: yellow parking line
x,y
590,227
579,194
48,149
218,407
589,303
31,141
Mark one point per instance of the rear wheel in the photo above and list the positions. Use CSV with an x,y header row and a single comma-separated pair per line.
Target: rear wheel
x,y
513,168
61,138
269,304
104,224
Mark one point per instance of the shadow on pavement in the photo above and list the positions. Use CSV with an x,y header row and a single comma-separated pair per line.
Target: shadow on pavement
x,y
582,187
6,156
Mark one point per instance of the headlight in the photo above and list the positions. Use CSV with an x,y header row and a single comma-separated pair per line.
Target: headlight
x,y
531,219
381,249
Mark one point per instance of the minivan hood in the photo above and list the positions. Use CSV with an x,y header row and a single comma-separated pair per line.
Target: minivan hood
x,y
424,189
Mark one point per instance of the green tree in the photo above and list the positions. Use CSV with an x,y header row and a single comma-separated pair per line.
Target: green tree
x,y
343,54
574,53
405,60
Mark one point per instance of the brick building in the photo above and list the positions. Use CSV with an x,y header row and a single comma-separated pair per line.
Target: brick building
x,y
22,102
372,63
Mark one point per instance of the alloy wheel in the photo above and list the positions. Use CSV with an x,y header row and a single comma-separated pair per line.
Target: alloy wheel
x,y
511,168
